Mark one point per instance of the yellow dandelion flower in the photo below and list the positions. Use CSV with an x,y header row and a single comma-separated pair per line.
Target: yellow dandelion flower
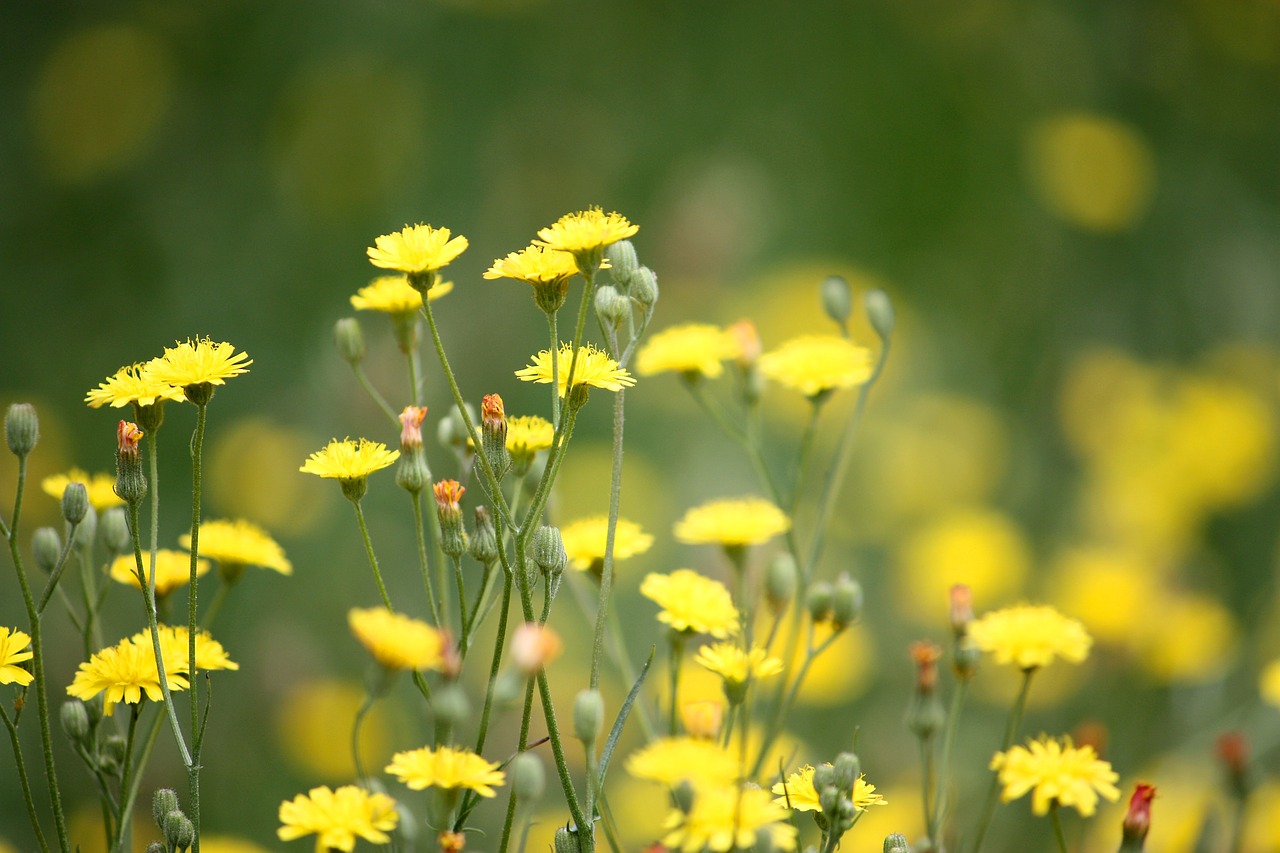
x,y
100,487
416,249
584,540
745,521
594,368
445,768
338,817
735,665
173,569
799,791
1055,772
396,641
693,349
392,294
671,760
691,602
198,361
536,266
815,364
529,434
125,672
239,543
586,231
13,651
175,650
349,460
1030,636
131,384
726,817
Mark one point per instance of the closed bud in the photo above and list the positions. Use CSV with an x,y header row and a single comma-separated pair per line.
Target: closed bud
x,y
824,776
1137,820
611,305
780,582
113,750
528,777
46,545
565,841
965,658
960,609
75,502
588,716
450,705
879,312
156,847
896,843
508,691
644,287
164,800
683,796
837,299
493,434
21,429
623,262
846,601
179,832
115,529
131,484
75,719
453,538
83,535
829,800
847,769
819,601
412,474
548,550
349,340
484,538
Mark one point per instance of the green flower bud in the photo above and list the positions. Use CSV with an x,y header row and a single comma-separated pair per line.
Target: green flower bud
x,y
493,434
611,305
819,601
926,715
484,538
683,796
113,750
588,716
623,262
86,530
879,312
965,658
644,287
508,691
47,547
75,502
349,339
548,550
565,842
156,847
824,776
896,843
847,769
528,777
846,601
179,832
412,474
452,430
164,800
449,704
780,582
115,529
837,299
21,429
131,483
74,718
828,801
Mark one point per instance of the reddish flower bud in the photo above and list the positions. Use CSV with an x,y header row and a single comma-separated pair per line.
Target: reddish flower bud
x,y
926,655
747,338
961,609
1137,820
411,427
127,437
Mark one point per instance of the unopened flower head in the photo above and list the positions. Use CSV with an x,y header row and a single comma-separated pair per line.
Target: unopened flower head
x,y
692,602
594,368
173,569
127,437
533,646
729,817
397,641
925,655
585,540
338,817
100,487
416,249
392,294
411,427
702,718
746,339
198,361
132,384
448,496
800,795
816,364
239,543
1030,636
585,234
446,767
14,649
737,522
492,411
1055,772
1137,819
672,760
693,350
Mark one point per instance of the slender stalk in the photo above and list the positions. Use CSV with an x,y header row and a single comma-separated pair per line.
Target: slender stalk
x,y
804,454
477,614
944,765
676,639
123,824
373,558
496,662
197,473
131,792
422,558
552,326
215,607
462,599
926,781
1010,732
788,699
1056,819
56,575
23,779
377,398
365,707
606,575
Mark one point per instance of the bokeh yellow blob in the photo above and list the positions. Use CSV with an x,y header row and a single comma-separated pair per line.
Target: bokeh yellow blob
x,y
84,828
1091,171
901,813
977,546
1185,797
313,725
1050,686
1269,683
1104,588
253,473
228,844
1187,637
99,99
840,673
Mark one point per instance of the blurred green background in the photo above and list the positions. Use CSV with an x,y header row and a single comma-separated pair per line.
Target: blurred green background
x,y
1075,207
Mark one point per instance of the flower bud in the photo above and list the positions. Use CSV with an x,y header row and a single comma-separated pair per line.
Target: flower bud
x,y
74,718
413,474
780,582
623,262
164,800
493,434
453,538
824,776
846,601
179,832
819,601
86,530
528,777
960,609
828,800
46,545
837,299
131,484
588,716
1137,820
115,529
156,847
451,842
449,705
702,719
21,429
349,340
113,750
683,795
75,502
411,427
533,646
965,658
1233,752
484,538
564,841
896,843
644,287
847,768
611,305
879,312
548,551
508,691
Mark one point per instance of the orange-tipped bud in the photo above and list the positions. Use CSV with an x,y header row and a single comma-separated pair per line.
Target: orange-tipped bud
x,y
926,655
493,433
448,495
961,609
702,719
491,410
1137,820
533,646
411,427
453,538
127,437
748,343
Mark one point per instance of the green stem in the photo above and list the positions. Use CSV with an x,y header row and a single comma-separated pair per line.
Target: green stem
x,y
496,663
56,575
373,558
374,395
1010,732
432,605
552,325
365,707
477,614
462,601
1056,818
197,473
123,824
926,780
23,779
944,767
676,640
804,454
131,792
606,575
215,607
787,698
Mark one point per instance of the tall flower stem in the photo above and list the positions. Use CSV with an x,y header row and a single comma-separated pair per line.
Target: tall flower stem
x,y
787,697
1010,732
496,663
131,791
804,454
1055,817
552,326
463,627
377,398
939,813
373,558
676,639
193,769
23,779
432,605
606,574
123,823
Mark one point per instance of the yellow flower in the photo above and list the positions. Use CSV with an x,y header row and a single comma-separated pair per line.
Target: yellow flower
x,y
125,672
132,384
1055,773
1030,636
199,361
13,644
348,460
735,665
584,540
392,294
803,797
175,650
814,364
691,602
528,434
445,768
594,368
173,569
1268,683
100,487
396,641
416,249
586,231
693,349
670,760
725,817
239,543
745,521
337,817
535,266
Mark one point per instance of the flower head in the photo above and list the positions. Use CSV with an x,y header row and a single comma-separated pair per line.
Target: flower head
x,y
338,817
239,543
692,602
586,231
397,641
175,650
528,434
173,569
446,768
800,793
1137,819
745,521
131,384
13,651
100,487
737,666
125,672
411,427
198,361
584,540
1055,772
594,368
392,294
693,349
727,817
671,760
416,249
1030,636
814,364
448,495
349,460
535,265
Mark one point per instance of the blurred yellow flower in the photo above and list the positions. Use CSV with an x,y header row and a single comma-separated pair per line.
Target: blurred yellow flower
x,y
594,368
732,522
738,666
240,543
349,460
670,760
729,817
692,602
1030,636
1055,772
584,540
416,249
1109,589
692,349
799,794
396,641
173,569
1189,637
227,844
101,488
131,384
446,768
198,361
13,651
815,364
392,294
586,231
308,714
528,434
1269,683
338,817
